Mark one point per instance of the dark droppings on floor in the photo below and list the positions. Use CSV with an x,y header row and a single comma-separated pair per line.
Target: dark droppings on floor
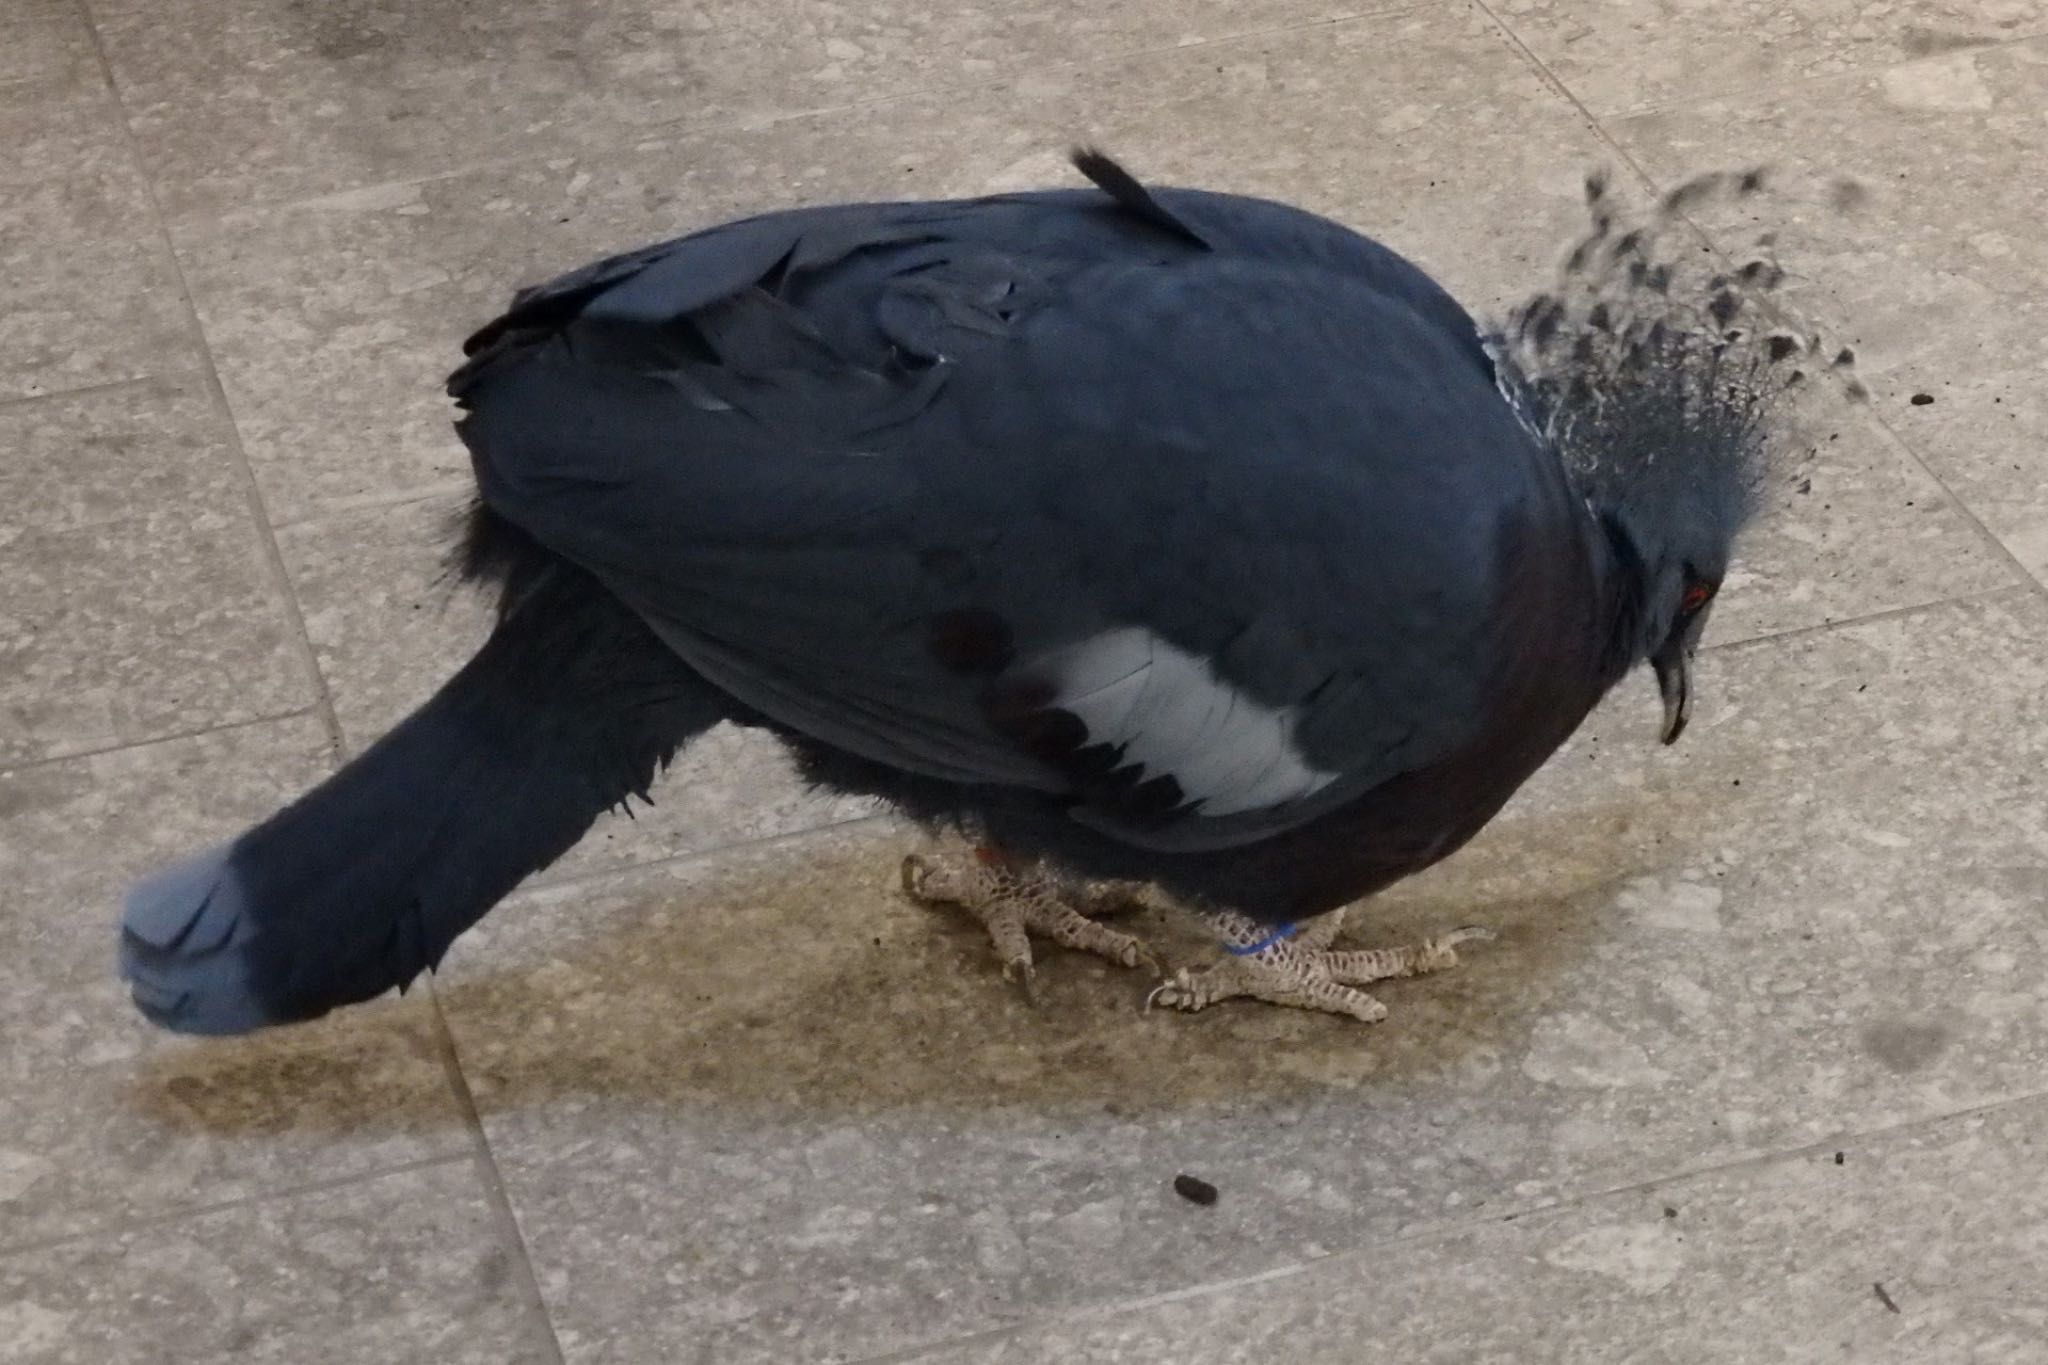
x,y
1194,1190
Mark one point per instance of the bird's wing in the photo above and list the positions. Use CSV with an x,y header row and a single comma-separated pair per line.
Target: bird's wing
x,y
1202,543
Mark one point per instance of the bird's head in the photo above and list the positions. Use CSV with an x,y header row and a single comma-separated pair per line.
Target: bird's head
x,y
1660,379
1671,549
1669,448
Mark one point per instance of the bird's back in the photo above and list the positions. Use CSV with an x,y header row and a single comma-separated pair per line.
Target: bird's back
x,y
1166,532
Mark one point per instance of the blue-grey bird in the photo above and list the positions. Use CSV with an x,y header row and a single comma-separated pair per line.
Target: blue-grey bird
x,y
1151,537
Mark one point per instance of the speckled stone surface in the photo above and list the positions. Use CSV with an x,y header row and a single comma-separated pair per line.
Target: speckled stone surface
x,y
1622,55
711,1090
47,38
91,291
1896,1249
1941,270
404,1267
324,97
139,602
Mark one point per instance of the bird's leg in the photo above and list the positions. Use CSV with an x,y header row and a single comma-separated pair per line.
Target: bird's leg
x,y
1014,901
1301,969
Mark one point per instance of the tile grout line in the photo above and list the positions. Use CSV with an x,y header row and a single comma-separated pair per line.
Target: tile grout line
x,y
98,387
1998,546
296,713
1551,78
1738,93
340,509
1447,1228
485,1163
295,619
540,883
1887,614
216,224
1792,83
121,1227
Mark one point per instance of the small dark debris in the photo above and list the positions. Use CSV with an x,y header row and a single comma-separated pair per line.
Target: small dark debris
x,y
1781,346
1883,1297
1670,1212
1805,485
1921,400
1737,782
1840,1158
1194,1190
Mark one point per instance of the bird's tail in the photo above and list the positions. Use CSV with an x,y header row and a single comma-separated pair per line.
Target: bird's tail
x,y
571,706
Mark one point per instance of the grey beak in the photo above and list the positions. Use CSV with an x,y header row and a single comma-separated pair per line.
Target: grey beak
x,y
1673,663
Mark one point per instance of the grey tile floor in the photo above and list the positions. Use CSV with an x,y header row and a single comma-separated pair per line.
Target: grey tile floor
x,y
1758,1072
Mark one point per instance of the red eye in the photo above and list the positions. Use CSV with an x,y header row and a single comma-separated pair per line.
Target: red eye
x,y
1695,597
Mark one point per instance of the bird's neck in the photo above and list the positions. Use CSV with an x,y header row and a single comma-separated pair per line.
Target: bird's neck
x,y
1625,579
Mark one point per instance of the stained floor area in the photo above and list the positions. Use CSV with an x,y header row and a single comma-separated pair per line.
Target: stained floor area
x,y
1758,1069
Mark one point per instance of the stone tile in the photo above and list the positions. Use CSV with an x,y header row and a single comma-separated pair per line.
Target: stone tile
x,y
140,603
47,40
1793,1260
144,1125
1622,55
92,295
1870,532
1941,277
108,1119
248,101
334,322
1814,916
85,461
388,628
403,1268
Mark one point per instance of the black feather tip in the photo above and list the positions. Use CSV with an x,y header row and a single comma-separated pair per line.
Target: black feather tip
x,y
1120,185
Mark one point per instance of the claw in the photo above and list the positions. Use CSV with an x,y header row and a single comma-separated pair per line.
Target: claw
x,y
1172,993
1442,951
1026,976
915,870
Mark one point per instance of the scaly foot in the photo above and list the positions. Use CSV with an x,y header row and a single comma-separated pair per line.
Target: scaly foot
x,y
1014,902
1302,970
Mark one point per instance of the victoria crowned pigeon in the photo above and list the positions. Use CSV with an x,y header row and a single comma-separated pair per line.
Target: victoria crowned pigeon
x,y
1152,538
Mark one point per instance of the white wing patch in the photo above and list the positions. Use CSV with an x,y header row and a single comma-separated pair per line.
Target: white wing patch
x,y
1173,716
